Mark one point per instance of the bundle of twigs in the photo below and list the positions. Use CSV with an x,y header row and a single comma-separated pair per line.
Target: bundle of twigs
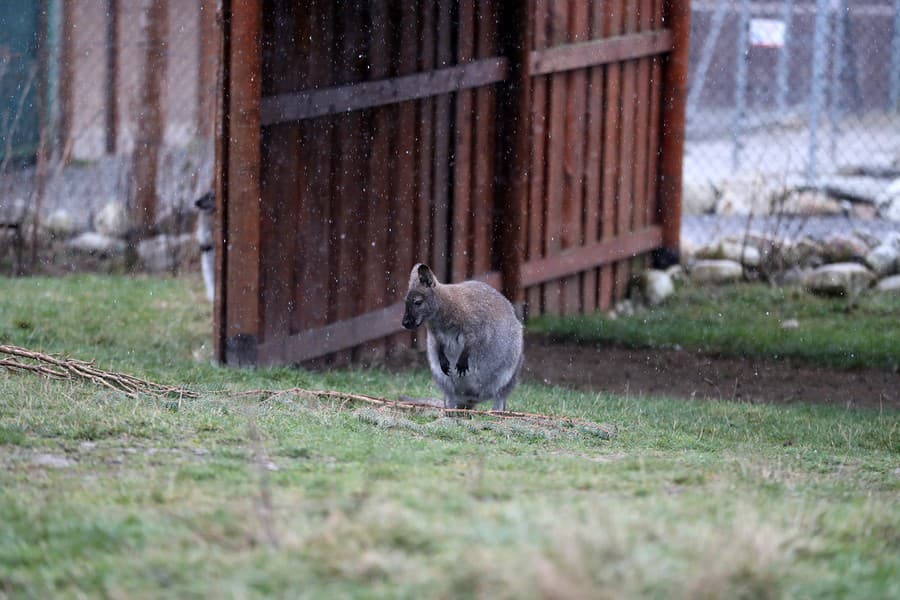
x,y
52,367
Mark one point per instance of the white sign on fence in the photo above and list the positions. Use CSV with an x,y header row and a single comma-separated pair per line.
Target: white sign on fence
x,y
767,33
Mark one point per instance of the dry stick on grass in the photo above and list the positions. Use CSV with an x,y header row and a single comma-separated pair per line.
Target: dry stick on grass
x,y
535,418
52,367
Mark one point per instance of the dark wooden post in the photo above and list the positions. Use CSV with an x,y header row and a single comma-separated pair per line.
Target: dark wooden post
x,y
150,124
207,61
112,70
238,198
677,17
515,132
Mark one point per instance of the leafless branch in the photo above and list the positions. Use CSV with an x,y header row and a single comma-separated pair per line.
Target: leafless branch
x,y
52,367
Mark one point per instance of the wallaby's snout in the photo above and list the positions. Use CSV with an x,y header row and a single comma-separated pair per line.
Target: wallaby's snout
x,y
409,321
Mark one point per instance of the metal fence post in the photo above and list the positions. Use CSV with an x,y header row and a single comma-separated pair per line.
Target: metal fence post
x,y
740,86
706,54
817,88
894,90
784,59
837,73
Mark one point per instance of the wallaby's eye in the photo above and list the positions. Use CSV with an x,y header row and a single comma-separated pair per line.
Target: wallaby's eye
x,y
417,302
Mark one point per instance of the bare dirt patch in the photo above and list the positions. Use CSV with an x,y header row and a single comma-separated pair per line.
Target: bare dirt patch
x,y
691,374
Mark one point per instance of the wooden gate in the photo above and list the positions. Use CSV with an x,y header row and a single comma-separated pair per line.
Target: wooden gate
x,y
490,139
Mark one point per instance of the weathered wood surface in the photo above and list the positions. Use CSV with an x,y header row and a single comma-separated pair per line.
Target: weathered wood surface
x,y
518,143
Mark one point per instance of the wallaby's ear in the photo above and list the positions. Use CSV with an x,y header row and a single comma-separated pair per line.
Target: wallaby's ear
x,y
426,277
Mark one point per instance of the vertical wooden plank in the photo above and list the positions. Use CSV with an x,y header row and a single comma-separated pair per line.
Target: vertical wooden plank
x,y
653,141
482,154
424,149
642,119
573,200
378,189
593,162
220,184
678,19
625,195
462,159
348,201
610,153
242,314
556,148
514,126
404,169
312,262
442,219
536,195
279,178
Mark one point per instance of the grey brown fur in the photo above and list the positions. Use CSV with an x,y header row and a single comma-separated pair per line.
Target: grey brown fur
x,y
474,338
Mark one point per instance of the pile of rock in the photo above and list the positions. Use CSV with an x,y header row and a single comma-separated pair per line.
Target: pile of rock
x,y
103,237
838,265
857,196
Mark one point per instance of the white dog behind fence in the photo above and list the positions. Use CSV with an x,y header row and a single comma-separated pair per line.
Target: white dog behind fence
x,y
206,204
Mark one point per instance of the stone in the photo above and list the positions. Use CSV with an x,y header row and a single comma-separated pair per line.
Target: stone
x,y
747,195
657,286
698,197
888,202
839,279
59,223
91,242
809,202
716,271
745,254
889,284
805,252
883,259
842,248
112,220
164,253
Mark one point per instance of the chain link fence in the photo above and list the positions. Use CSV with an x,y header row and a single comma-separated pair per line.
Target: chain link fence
x,y
86,89
789,95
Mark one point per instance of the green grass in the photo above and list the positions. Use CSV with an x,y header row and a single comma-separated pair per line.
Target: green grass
x,y
746,320
106,496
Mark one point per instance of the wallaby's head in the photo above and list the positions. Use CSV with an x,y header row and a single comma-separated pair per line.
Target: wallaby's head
x,y
420,300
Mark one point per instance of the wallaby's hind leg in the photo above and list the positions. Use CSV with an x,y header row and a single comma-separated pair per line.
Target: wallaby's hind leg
x,y
506,390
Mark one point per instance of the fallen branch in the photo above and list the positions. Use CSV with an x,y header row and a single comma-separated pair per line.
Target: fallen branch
x,y
52,367
606,431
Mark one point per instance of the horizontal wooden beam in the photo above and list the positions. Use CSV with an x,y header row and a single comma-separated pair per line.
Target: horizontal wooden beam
x,y
583,258
333,337
309,104
599,52
343,334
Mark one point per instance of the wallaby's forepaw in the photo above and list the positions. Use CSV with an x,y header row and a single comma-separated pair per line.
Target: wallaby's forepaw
x,y
462,364
444,361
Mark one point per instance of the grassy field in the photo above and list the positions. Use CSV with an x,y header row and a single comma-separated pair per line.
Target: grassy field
x,y
746,320
106,496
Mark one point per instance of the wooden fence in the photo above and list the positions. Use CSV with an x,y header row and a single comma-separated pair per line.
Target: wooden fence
x,y
534,145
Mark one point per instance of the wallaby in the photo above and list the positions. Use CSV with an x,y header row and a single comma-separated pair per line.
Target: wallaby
x,y
474,338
